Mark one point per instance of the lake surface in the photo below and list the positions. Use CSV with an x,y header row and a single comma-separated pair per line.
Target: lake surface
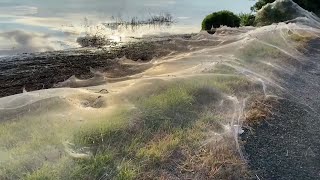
x,y
33,25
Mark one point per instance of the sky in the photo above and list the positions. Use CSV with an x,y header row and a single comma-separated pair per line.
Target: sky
x,y
41,25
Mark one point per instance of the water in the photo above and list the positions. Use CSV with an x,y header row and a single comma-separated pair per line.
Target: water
x,y
31,25
97,132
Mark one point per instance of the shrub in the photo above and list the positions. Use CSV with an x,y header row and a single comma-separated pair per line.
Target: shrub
x,y
260,3
247,19
217,19
274,13
310,5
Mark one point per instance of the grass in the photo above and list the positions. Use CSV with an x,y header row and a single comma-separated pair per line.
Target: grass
x,y
170,134
255,56
165,125
135,22
299,38
28,143
223,69
258,110
256,51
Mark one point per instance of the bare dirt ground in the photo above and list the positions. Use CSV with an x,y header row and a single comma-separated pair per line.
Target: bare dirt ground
x,y
286,142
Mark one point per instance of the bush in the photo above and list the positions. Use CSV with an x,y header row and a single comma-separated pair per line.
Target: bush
x,y
247,19
217,19
260,3
278,12
310,5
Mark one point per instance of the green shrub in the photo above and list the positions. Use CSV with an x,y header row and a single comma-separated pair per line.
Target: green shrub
x,y
217,19
247,19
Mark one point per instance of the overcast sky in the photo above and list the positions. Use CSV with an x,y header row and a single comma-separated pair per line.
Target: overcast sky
x,y
114,7
57,21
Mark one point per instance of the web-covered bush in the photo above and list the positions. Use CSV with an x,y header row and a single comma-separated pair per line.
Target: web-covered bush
x,y
221,18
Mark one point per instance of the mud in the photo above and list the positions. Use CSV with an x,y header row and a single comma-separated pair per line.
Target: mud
x,y
43,70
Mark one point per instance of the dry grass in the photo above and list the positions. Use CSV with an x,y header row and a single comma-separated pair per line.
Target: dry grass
x,y
259,109
300,38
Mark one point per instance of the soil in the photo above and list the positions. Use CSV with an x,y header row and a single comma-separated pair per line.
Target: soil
x,y
286,143
42,70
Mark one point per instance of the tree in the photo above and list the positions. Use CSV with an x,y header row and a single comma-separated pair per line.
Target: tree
x,y
310,5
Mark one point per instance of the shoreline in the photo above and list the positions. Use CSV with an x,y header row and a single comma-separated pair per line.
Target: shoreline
x,y
36,71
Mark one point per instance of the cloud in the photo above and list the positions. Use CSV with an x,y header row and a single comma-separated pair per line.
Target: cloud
x,y
18,10
159,3
183,17
14,42
72,23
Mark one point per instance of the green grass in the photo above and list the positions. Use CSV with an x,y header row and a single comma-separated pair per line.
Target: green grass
x,y
170,109
28,143
223,69
161,135
256,52
164,123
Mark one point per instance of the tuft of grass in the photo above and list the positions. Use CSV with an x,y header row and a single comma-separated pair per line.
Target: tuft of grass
x,y
257,51
299,38
160,148
127,171
259,110
44,173
103,131
223,69
168,110
101,166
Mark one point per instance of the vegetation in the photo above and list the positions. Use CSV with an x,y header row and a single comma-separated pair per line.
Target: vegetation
x,y
164,137
310,5
154,20
95,40
220,18
227,18
273,14
167,129
259,109
260,3
247,19
95,35
285,11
